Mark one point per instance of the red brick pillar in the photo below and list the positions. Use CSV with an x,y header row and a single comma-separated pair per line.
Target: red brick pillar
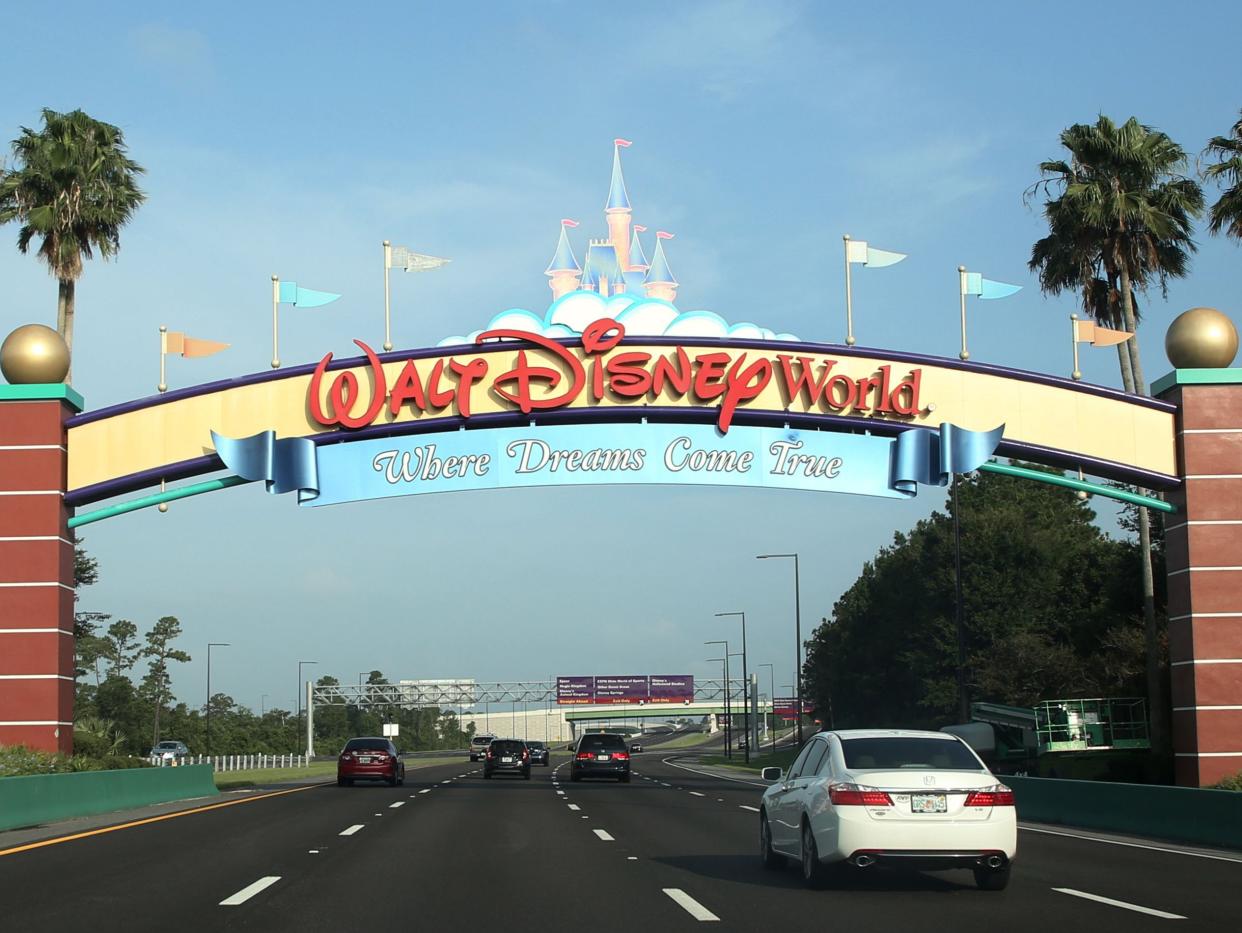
x,y
1204,549
36,569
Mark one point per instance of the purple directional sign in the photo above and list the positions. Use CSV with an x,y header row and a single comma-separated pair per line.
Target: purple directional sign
x,y
575,690
671,688
628,689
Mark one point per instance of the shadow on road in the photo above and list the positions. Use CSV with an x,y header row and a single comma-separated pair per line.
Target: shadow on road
x,y
746,870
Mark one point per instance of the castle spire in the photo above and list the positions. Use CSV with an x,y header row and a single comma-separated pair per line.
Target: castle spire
x,y
618,197
563,271
638,259
660,282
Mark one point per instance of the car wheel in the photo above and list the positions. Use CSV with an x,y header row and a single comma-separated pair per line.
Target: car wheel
x,y
401,777
392,781
813,873
526,775
487,775
992,879
340,782
769,857
625,778
574,776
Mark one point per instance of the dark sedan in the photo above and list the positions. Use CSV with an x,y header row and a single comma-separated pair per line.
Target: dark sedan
x,y
369,759
538,753
507,756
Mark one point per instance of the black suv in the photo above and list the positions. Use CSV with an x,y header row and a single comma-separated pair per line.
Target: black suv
x,y
538,753
508,755
600,754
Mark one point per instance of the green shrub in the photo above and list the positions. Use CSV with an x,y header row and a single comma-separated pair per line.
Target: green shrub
x,y
16,760
1233,782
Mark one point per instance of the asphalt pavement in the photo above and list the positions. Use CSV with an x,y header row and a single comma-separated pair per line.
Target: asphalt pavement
x,y
671,850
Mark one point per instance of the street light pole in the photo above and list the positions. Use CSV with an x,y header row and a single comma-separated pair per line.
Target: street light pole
x,y
299,693
728,714
772,702
210,645
746,681
263,705
798,633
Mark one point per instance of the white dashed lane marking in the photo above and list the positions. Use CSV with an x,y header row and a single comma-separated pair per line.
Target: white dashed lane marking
x,y
603,835
249,891
1112,903
425,790
399,803
751,809
695,793
352,829
690,905
574,806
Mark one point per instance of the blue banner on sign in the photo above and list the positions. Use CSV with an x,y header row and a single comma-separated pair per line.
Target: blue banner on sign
x,y
594,454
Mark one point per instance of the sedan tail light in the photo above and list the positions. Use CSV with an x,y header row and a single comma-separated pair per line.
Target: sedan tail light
x,y
347,756
620,756
855,795
584,756
996,796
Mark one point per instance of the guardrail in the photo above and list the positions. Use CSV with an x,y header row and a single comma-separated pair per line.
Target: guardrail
x,y
1186,814
233,762
33,799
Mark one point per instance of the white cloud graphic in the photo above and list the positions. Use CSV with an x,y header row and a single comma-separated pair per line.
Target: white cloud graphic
x,y
644,317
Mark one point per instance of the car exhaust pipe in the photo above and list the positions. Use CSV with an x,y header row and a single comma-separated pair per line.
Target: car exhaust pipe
x,y
862,861
994,861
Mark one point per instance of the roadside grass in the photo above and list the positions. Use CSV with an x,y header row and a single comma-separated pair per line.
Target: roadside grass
x,y
782,759
316,770
682,741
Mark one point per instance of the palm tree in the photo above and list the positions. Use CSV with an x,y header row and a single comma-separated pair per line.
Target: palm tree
x,y
72,188
1226,214
1121,221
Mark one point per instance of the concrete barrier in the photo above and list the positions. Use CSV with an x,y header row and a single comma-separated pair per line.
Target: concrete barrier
x,y
1185,814
43,798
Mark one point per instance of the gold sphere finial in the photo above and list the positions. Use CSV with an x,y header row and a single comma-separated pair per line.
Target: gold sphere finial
x,y
34,355
1201,338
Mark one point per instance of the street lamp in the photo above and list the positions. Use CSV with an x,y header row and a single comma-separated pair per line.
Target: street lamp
x,y
745,682
263,705
771,700
299,693
728,712
210,645
798,632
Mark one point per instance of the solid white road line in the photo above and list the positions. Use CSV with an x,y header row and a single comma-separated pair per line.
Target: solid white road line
x,y
719,777
695,793
399,803
604,835
742,806
690,905
1112,903
574,806
249,891
1131,845
351,830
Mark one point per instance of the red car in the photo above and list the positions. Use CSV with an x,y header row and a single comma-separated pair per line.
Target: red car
x,y
369,759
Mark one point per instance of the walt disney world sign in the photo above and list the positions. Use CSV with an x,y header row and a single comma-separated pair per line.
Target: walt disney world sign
x,y
521,409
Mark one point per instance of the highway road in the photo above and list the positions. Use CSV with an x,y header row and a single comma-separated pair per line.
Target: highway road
x,y
672,850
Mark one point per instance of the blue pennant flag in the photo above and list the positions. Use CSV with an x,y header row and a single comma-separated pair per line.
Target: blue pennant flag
x,y
285,465
975,284
291,294
931,457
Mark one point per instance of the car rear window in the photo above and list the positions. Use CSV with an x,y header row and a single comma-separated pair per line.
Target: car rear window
x,y
534,744
366,745
601,741
481,740
892,753
507,747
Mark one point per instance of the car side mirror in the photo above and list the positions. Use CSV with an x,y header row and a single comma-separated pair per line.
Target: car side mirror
x,y
771,774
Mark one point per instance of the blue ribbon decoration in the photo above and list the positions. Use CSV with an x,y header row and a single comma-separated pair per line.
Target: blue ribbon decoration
x,y
285,465
930,458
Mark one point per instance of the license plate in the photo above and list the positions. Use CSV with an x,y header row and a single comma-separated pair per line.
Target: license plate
x,y
365,761
506,761
601,757
928,803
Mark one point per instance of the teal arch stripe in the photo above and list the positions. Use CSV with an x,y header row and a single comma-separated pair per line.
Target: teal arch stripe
x,y
146,502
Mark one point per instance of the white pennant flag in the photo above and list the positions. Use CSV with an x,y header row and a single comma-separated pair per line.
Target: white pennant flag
x,y
403,257
858,251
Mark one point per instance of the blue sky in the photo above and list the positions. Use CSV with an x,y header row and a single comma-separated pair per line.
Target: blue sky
x,y
292,139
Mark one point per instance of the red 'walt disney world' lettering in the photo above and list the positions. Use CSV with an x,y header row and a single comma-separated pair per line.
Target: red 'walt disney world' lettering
x,y
553,375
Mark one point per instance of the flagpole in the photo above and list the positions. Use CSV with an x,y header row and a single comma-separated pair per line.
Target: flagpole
x,y
163,386
1077,373
849,298
961,273
275,322
387,313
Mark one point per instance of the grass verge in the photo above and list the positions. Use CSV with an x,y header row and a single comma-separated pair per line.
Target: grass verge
x,y
315,771
782,759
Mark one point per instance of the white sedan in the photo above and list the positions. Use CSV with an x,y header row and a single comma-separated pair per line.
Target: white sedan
x,y
864,797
